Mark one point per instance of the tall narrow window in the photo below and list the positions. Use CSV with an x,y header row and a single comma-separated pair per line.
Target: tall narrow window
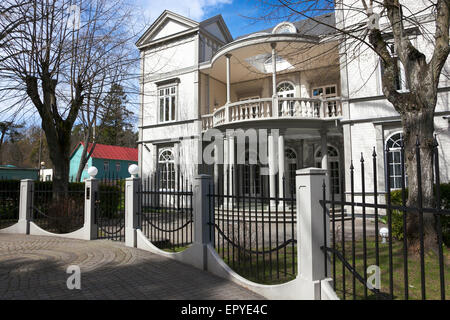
x,y
395,160
333,168
106,166
167,98
400,83
166,164
286,90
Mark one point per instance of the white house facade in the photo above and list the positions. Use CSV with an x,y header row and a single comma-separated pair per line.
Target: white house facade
x,y
319,105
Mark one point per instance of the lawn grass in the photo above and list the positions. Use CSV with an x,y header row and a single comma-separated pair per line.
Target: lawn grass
x,y
269,269
265,275
432,275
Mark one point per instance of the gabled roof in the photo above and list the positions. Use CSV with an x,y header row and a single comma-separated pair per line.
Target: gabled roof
x,y
102,151
221,24
161,20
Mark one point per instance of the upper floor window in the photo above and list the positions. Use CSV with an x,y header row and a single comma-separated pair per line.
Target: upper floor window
x,y
326,92
167,98
400,80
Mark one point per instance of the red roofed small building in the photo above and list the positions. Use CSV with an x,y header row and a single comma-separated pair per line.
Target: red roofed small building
x,y
112,162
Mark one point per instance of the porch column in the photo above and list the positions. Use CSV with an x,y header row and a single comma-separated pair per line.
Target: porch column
x,y
228,56
281,161
274,82
232,162
272,169
324,149
274,69
216,168
225,164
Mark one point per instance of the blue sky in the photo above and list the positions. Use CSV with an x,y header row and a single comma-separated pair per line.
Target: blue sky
x,y
234,12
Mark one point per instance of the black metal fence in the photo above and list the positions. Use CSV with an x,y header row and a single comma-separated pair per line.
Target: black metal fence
x,y
110,209
254,233
165,210
9,202
355,237
57,211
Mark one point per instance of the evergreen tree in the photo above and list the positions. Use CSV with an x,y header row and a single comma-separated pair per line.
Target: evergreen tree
x,y
116,126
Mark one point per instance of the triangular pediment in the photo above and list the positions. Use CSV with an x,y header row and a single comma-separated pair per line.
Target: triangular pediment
x,y
167,24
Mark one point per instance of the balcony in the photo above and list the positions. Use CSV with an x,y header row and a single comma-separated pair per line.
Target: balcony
x,y
273,108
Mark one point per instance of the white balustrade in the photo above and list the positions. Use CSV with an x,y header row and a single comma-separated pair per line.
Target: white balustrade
x,y
259,109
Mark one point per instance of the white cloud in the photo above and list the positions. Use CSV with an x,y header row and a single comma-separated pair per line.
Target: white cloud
x,y
193,9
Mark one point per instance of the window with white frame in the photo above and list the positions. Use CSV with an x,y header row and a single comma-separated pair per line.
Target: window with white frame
x,y
291,159
395,160
286,89
400,81
166,167
326,92
333,167
167,101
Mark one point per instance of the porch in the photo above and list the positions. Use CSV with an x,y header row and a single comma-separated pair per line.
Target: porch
x,y
271,77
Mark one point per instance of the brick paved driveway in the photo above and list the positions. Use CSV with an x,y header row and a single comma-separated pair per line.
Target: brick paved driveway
x,y
35,268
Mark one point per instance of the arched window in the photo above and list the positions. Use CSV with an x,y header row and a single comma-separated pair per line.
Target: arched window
x,y
333,167
286,90
394,158
166,166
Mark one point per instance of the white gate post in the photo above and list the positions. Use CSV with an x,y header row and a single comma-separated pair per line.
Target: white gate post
x,y
90,219
202,217
131,210
310,227
25,206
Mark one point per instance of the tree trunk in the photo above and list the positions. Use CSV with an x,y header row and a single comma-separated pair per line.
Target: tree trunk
x,y
59,152
420,124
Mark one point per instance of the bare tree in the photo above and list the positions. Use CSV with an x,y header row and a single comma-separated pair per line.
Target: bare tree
x,y
367,25
54,62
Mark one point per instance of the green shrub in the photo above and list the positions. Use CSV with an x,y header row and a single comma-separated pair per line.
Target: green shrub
x,y
397,216
112,200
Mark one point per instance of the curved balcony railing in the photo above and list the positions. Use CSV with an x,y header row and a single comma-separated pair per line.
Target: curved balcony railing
x,y
271,108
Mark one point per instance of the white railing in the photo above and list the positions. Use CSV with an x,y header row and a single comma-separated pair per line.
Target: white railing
x,y
259,109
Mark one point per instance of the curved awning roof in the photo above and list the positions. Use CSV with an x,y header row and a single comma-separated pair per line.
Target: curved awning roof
x,y
251,56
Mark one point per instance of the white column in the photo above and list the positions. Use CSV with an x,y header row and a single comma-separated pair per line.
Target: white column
x,y
324,149
312,228
25,206
232,162
226,159
131,210
216,168
90,208
274,69
274,82
281,169
228,57
272,169
202,220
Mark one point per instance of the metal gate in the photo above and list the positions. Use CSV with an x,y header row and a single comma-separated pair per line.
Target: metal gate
x,y
110,210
